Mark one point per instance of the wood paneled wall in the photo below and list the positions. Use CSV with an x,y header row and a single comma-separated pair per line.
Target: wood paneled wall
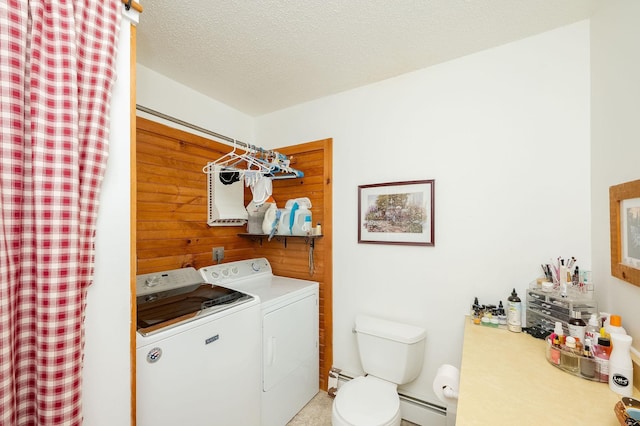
x,y
171,203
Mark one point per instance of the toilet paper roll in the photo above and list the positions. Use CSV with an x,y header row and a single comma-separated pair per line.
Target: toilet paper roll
x,y
445,385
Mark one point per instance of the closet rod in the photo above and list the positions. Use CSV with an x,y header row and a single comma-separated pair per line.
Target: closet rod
x,y
189,125
129,4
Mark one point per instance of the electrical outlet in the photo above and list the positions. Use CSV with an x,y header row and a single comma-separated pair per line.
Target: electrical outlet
x,y
218,254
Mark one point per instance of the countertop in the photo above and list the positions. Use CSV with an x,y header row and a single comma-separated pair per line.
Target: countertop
x,y
506,379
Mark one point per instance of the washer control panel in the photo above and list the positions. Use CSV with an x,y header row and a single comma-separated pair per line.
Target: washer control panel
x,y
166,280
232,271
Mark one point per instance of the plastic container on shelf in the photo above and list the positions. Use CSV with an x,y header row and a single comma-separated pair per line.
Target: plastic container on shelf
x,y
293,217
284,225
301,222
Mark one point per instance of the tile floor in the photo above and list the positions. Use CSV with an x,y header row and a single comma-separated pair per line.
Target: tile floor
x,y
318,412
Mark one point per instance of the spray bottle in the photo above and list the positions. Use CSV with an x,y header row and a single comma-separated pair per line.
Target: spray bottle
x,y
592,331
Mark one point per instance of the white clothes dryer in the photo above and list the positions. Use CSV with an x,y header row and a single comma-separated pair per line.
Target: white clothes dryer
x,y
290,360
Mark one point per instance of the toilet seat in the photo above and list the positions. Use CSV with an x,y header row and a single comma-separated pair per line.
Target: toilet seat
x,y
367,401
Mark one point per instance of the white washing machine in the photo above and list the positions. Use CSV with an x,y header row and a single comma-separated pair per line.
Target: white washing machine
x,y
198,352
290,359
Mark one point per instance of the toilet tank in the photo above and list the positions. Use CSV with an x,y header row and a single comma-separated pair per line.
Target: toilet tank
x,y
390,350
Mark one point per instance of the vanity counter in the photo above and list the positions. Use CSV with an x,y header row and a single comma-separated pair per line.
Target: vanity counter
x,y
505,378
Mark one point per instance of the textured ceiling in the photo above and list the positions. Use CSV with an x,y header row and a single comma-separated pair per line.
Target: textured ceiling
x,y
259,56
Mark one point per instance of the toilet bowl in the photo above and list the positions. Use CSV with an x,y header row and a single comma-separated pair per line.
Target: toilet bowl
x,y
391,354
366,401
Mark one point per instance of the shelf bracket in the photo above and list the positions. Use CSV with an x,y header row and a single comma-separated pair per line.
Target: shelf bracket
x,y
283,239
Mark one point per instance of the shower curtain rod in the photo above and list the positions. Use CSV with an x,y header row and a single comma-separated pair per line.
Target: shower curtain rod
x,y
192,126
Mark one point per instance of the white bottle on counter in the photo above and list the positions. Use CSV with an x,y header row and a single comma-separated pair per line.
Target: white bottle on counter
x,y
614,325
621,366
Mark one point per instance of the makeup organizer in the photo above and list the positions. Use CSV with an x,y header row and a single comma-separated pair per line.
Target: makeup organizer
x,y
545,308
578,365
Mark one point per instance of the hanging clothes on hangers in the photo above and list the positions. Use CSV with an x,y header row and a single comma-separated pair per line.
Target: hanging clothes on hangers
x,y
255,163
261,189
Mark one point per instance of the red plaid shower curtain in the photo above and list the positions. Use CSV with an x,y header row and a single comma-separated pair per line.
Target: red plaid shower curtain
x,y
57,69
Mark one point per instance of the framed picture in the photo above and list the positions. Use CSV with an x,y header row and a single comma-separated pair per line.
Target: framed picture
x,y
624,207
396,213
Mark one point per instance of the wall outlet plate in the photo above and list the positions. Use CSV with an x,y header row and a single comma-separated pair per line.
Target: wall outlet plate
x,y
218,254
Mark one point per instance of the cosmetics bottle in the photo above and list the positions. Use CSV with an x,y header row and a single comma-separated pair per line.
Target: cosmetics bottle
x,y
476,311
577,326
602,353
575,278
568,359
554,348
514,316
592,331
559,331
621,366
563,280
587,363
476,305
502,316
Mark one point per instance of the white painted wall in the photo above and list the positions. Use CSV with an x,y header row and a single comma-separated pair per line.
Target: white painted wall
x,y
164,95
505,134
615,135
107,368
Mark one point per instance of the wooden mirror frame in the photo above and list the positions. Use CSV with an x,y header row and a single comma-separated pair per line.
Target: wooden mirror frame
x,y
617,194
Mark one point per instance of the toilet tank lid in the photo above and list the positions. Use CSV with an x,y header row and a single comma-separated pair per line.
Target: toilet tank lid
x,y
403,333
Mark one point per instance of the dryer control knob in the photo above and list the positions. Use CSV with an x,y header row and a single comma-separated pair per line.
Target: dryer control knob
x,y
255,266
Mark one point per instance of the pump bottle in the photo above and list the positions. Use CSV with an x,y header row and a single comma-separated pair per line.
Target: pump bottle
x,y
592,331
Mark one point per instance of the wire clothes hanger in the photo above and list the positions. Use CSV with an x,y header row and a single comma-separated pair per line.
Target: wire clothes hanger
x,y
255,163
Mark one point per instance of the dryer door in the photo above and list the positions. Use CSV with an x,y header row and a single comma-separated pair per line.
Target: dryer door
x,y
290,339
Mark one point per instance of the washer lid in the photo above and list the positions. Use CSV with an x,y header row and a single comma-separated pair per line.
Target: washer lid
x,y
158,311
367,401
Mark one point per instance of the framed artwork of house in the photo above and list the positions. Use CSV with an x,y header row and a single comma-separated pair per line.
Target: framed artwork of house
x,y
396,213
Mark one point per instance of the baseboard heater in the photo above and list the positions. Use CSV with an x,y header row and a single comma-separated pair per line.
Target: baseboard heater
x,y
413,409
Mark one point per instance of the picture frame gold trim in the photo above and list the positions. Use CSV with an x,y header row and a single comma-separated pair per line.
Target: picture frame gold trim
x,y
626,268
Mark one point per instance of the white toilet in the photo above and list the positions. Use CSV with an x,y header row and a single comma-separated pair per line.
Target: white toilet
x,y
392,354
